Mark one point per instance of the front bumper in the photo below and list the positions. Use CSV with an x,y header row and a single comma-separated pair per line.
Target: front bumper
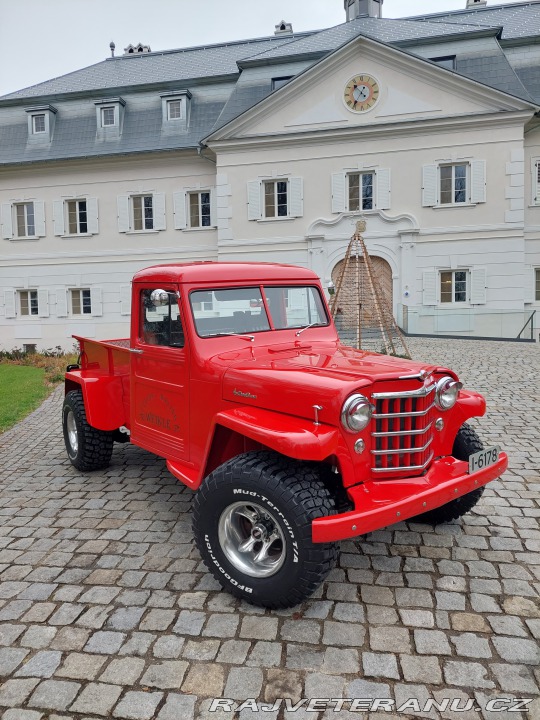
x,y
383,503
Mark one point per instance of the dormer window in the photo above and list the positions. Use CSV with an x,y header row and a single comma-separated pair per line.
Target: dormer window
x,y
41,121
109,117
38,123
175,110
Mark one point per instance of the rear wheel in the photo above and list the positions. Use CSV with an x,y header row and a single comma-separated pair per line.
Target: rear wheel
x,y
466,444
252,524
87,447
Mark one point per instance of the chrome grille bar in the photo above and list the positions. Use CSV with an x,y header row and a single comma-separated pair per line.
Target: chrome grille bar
x,y
403,451
405,414
407,468
403,430
421,392
398,433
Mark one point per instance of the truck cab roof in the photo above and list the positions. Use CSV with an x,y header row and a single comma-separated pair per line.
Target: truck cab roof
x,y
219,272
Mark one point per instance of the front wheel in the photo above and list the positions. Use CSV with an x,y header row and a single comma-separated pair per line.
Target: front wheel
x,y
466,444
87,447
252,525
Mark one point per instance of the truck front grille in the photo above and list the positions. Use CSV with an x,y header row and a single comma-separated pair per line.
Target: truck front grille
x,y
403,431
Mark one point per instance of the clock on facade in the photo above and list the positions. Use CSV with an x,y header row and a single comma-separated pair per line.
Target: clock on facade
x,y
361,93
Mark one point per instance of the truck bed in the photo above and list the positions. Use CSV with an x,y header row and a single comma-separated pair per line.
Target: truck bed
x,y
106,361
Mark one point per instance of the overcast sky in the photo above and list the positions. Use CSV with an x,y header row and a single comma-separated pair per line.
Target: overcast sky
x,y
42,39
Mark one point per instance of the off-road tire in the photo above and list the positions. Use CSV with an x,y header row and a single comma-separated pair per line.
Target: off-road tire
x,y
466,444
294,495
94,447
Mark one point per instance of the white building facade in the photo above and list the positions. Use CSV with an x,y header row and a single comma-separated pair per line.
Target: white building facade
x,y
270,150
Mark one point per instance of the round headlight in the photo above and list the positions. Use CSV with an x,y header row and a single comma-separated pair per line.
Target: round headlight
x,y
356,413
447,392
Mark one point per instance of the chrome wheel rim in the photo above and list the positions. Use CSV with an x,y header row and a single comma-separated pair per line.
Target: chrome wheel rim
x,y
252,539
73,435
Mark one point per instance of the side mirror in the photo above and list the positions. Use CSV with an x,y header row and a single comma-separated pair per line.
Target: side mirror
x,y
159,298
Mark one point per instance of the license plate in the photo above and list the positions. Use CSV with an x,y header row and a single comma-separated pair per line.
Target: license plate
x,y
483,459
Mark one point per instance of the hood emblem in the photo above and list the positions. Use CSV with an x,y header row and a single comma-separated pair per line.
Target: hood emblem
x,y
242,394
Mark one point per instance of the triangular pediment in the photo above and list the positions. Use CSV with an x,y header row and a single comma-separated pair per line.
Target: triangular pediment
x,y
408,88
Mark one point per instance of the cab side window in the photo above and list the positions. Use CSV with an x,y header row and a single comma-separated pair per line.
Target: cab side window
x,y
160,319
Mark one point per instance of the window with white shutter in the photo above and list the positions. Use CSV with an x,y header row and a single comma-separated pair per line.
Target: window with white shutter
x,y
359,190
39,218
429,287
141,212
275,199
383,189
254,200
159,211
10,308
536,182
454,183
478,181
96,301
23,219
429,185
478,286
125,300
61,302
339,184
7,221
43,303
76,216
532,285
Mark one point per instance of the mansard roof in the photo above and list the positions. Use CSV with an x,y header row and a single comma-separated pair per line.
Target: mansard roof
x,y
224,85
517,20
139,69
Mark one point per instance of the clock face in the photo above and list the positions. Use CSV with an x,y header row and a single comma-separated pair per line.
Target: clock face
x,y
361,93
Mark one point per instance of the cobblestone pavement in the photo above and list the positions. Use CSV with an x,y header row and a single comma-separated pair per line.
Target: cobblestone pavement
x,y
107,611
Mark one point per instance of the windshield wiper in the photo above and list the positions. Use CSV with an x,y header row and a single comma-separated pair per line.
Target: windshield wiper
x,y
251,338
299,332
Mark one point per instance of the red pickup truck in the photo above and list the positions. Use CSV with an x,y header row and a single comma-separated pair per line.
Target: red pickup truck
x,y
234,374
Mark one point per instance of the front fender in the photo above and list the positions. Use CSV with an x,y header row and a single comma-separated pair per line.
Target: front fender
x,y
295,437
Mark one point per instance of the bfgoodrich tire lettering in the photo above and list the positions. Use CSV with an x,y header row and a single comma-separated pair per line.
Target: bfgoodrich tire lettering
x,y
87,447
283,497
466,444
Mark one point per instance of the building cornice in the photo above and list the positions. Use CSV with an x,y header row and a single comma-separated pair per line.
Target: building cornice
x,y
387,130
191,150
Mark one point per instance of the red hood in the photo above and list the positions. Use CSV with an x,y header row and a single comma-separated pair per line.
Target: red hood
x,y
293,379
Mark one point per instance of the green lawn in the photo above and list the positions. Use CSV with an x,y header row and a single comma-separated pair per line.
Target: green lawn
x,y
22,389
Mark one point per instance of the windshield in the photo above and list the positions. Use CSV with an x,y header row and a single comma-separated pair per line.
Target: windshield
x,y
241,310
295,307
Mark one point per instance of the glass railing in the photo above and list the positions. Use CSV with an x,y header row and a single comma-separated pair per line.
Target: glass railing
x,y
469,322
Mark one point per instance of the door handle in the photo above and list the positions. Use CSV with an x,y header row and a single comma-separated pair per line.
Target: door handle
x,y
136,351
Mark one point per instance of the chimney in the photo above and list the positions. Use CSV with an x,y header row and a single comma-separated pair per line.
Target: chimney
x,y
363,8
472,4
140,48
283,28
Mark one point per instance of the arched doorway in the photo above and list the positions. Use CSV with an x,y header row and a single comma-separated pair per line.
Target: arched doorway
x,y
357,312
